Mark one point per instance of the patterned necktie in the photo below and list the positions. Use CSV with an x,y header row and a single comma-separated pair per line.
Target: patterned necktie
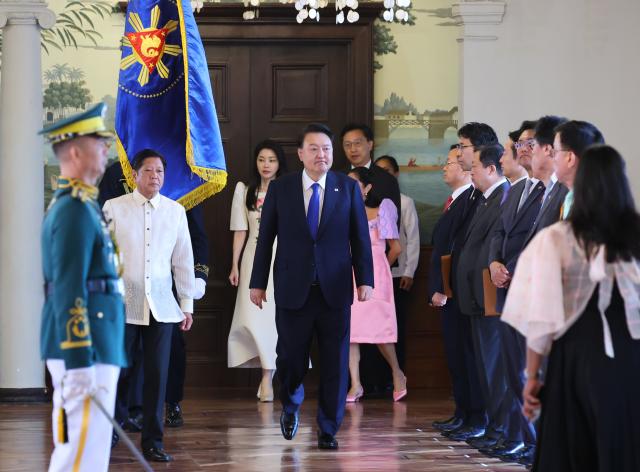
x,y
448,203
313,211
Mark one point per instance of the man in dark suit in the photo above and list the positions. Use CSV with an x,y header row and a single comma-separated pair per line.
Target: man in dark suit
x,y
357,144
570,141
471,136
487,177
320,221
469,409
519,212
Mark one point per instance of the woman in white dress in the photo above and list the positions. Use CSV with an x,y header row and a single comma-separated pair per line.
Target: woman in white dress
x,y
253,336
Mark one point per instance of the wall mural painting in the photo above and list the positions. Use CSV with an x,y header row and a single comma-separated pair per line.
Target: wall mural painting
x,y
416,96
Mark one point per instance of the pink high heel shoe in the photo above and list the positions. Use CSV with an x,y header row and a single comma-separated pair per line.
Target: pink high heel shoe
x,y
399,395
357,396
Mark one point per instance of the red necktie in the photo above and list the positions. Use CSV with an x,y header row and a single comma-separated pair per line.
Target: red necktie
x,y
448,203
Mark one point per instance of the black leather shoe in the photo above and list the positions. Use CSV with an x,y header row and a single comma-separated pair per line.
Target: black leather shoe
x,y
132,425
173,417
526,458
489,449
327,441
447,425
463,434
156,454
483,442
508,448
289,425
115,439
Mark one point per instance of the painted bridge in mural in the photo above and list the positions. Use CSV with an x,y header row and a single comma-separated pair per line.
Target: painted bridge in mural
x,y
434,123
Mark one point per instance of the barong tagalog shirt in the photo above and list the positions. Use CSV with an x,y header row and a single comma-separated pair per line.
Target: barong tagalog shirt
x,y
554,281
153,238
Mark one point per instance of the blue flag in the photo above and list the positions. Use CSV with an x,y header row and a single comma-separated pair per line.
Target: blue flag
x,y
165,102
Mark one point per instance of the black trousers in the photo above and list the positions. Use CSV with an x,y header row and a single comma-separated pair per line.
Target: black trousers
x,y
156,345
177,366
485,333
514,359
295,333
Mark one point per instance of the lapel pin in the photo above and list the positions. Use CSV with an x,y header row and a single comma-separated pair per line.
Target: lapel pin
x,y
335,190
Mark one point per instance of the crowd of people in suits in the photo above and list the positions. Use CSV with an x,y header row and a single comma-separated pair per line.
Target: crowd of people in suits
x,y
534,270
492,256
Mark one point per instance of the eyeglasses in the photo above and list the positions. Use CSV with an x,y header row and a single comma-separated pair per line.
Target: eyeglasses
x,y
356,144
461,146
450,164
527,142
558,151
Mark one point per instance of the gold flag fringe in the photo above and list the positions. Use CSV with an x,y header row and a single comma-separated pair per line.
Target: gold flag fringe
x,y
216,179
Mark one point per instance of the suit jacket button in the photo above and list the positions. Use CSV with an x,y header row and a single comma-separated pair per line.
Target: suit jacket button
x,y
100,315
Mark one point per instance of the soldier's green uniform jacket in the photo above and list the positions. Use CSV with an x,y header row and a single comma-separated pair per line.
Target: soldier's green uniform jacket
x,y
83,317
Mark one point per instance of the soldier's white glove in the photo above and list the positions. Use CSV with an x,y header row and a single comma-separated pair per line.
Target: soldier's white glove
x,y
201,286
79,383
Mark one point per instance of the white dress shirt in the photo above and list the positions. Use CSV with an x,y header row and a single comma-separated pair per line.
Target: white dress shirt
x,y
409,239
153,238
459,191
307,182
487,193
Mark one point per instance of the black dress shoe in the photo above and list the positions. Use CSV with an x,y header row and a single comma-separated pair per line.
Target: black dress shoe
x,y
526,457
288,425
483,442
132,425
173,416
448,425
465,433
327,441
489,449
156,454
508,448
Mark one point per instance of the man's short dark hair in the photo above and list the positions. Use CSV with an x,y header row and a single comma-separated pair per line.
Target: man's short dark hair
x,y
314,128
544,132
526,125
480,134
391,160
490,156
357,126
577,136
452,147
138,159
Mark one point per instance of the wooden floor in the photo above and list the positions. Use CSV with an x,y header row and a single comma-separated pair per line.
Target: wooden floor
x,y
225,432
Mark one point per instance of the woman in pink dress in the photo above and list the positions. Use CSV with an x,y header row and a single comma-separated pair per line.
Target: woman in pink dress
x,y
374,321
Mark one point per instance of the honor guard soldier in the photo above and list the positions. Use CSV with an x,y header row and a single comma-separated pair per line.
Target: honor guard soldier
x,y
83,320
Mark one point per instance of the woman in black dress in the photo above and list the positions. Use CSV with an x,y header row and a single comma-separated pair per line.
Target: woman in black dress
x,y
575,295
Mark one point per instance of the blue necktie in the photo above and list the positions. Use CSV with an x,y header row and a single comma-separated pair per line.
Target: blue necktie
x,y
313,211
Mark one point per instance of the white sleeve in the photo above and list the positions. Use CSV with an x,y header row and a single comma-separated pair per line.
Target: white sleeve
x,y
107,210
239,221
535,301
411,228
182,264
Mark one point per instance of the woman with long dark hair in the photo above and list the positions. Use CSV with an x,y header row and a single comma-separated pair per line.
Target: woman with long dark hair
x,y
575,296
374,321
253,337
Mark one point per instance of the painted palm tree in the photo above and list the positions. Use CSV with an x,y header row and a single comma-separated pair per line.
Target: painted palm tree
x,y
75,74
50,76
61,71
76,22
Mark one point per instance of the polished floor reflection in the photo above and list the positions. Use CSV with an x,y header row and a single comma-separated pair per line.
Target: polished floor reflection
x,y
224,432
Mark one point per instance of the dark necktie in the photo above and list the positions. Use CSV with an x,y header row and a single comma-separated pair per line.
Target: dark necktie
x,y
313,211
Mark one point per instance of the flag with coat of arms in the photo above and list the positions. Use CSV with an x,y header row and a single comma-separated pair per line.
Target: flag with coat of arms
x,y
165,101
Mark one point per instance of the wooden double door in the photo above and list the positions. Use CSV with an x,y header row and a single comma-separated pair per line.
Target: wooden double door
x,y
270,78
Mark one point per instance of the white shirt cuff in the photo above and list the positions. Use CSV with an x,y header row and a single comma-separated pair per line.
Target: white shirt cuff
x,y
186,305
